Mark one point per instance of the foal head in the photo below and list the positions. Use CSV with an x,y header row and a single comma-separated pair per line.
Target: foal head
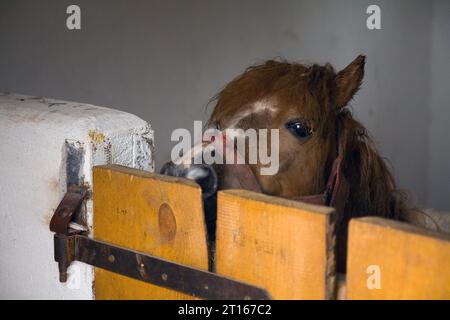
x,y
308,106
302,103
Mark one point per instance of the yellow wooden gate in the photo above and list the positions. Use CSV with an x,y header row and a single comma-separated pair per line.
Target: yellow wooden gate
x,y
150,213
393,260
284,246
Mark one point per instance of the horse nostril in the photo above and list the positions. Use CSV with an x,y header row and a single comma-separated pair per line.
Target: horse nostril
x,y
205,176
166,168
170,169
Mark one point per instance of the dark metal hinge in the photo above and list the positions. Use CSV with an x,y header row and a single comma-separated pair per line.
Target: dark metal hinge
x,y
69,205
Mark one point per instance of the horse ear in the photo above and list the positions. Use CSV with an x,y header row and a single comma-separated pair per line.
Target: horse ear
x,y
349,80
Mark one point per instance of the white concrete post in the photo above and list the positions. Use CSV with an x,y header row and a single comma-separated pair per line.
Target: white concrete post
x,y
36,137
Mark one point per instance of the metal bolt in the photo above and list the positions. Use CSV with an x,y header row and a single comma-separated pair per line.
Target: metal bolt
x,y
63,276
111,258
206,287
164,277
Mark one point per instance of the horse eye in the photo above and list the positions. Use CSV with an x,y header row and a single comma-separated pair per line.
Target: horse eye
x,y
299,128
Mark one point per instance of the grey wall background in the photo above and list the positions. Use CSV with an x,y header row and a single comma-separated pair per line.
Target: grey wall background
x,y
163,60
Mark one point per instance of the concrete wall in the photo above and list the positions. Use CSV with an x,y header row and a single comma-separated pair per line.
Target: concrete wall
x,y
163,60
438,187
33,180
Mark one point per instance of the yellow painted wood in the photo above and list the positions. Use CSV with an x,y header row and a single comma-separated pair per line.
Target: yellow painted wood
x,y
281,245
414,263
151,213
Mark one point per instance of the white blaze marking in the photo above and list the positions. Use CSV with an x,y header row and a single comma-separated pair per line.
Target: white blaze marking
x,y
225,150
258,107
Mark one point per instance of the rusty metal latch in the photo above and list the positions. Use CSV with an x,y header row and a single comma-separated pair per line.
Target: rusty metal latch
x,y
73,245
66,209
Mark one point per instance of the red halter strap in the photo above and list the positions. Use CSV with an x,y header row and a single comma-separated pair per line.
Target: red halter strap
x,y
336,191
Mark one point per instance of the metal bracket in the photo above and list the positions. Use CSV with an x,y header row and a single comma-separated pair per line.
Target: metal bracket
x,y
72,245
66,209
151,269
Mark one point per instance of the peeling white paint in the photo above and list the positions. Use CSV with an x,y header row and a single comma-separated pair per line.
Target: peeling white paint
x,y
33,132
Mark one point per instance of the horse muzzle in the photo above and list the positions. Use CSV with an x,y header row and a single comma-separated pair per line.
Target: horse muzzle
x,y
203,174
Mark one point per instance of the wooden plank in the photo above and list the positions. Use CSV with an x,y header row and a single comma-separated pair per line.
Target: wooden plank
x,y
413,263
151,213
284,246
